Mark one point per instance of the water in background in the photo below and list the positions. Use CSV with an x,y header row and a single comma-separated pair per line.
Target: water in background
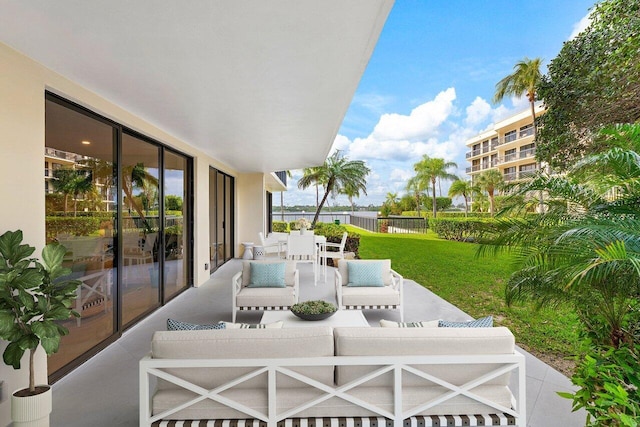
x,y
343,217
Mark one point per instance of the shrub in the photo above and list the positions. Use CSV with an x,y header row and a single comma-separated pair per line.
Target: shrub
x,y
608,384
333,233
429,214
462,229
383,226
313,307
279,226
76,226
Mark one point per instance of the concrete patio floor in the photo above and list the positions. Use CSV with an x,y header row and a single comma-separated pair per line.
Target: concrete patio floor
x,y
104,390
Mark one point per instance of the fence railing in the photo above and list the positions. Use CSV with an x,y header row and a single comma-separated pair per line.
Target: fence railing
x,y
391,224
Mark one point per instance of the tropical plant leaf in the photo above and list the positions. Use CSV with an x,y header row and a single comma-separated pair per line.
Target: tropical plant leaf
x,y
13,355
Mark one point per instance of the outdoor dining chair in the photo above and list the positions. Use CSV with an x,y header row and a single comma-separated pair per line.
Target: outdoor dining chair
x,y
303,248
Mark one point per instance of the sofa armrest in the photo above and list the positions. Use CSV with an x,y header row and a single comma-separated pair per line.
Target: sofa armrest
x,y
236,282
396,280
338,284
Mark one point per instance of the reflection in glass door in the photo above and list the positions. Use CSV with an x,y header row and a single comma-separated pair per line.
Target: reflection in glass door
x,y
80,215
140,204
176,247
221,189
116,241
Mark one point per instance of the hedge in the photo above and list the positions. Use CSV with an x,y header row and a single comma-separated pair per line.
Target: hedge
x,y
429,214
333,233
75,226
460,229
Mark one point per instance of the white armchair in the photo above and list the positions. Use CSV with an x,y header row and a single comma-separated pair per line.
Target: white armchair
x,y
355,293
338,249
270,245
264,298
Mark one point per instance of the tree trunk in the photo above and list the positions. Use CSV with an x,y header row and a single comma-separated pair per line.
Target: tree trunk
x,y
282,205
490,202
434,204
466,206
535,140
324,199
32,374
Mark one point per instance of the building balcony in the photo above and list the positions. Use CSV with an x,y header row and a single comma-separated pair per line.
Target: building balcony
x,y
473,153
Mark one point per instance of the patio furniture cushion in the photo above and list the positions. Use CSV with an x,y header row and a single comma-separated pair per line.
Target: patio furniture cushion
x,y
370,296
391,324
365,273
176,325
267,275
416,341
386,270
289,271
314,341
266,297
483,322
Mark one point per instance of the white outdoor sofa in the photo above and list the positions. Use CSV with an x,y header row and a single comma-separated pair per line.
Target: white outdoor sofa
x,y
323,377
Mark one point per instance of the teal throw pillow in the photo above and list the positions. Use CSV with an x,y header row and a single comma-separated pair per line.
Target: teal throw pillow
x,y
483,322
176,325
267,275
365,274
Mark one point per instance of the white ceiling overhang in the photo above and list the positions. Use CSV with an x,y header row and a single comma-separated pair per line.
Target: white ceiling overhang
x,y
261,85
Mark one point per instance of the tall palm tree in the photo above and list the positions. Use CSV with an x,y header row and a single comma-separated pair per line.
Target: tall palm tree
x,y
316,176
351,192
524,80
461,187
490,181
430,169
82,184
137,176
584,250
282,199
337,173
417,185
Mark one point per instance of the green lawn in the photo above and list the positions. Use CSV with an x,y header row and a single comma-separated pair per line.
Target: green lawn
x,y
475,285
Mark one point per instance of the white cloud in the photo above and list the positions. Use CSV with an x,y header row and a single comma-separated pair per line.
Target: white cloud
x,y
580,26
477,112
423,121
340,143
401,174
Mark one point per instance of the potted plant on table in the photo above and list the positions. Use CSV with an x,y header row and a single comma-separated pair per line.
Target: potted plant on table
x,y
314,310
33,296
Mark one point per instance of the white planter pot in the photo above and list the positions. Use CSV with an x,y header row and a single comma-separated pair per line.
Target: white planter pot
x,y
32,411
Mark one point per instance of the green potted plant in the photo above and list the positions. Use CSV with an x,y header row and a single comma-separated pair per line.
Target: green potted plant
x,y
33,296
313,310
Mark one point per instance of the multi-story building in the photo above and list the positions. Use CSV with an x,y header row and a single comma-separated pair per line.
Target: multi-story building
x,y
508,147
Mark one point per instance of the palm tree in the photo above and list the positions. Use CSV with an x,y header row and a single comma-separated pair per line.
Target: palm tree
x,y
351,192
136,176
314,175
417,185
71,182
523,81
282,199
490,181
462,188
584,250
336,174
430,169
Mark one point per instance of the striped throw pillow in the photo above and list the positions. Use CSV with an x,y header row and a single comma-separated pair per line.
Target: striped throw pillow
x,y
392,324
176,325
483,322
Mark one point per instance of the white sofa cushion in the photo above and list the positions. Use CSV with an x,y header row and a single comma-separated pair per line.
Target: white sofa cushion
x,y
381,296
423,341
266,297
243,344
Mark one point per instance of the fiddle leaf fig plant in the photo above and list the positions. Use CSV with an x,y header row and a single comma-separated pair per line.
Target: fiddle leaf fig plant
x,y
33,296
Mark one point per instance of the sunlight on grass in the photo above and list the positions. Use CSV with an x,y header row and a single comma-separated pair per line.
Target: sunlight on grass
x,y
475,285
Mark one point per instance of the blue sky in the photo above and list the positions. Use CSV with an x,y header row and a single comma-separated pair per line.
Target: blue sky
x,y
430,81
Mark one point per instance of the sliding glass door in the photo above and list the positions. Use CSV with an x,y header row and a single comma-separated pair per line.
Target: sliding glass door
x,y
121,205
221,190
80,190
140,207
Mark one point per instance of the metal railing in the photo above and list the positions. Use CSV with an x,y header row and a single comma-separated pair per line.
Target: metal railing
x,y
391,224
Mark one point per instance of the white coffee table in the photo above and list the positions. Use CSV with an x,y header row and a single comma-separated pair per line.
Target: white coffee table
x,y
341,318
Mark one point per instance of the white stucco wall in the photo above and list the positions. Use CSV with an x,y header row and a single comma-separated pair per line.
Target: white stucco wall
x,y
22,102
